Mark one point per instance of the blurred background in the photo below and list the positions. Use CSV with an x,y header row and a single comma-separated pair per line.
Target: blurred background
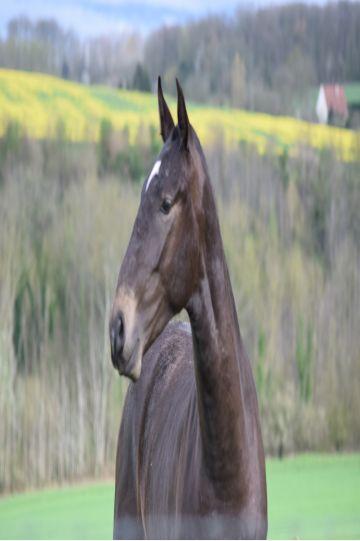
x,y
274,94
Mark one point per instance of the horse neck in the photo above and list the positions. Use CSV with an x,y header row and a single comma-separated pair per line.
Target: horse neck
x,y
223,375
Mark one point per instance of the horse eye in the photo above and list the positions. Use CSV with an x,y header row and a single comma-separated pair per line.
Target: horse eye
x,y
166,206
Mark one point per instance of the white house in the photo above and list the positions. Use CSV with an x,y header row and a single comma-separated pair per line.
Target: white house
x,y
331,104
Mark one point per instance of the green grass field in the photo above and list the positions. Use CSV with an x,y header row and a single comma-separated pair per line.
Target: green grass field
x,y
310,496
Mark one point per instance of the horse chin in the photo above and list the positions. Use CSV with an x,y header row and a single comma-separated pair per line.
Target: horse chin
x,y
132,368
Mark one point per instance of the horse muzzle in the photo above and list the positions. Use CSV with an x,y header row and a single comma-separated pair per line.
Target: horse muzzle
x,y
126,351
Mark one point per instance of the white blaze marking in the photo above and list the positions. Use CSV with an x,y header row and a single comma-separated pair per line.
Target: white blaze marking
x,y
154,172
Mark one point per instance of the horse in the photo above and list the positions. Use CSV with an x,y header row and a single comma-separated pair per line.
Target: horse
x,y
190,460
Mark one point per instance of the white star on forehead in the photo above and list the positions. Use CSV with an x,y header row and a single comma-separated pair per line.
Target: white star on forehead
x,y
154,172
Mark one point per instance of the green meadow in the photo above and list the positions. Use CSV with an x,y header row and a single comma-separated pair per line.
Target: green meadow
x,y
310,496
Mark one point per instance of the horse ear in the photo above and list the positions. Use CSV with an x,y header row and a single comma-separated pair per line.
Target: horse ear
x,y
183,120
166,120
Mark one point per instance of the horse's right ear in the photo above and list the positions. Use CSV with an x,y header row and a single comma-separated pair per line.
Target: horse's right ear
x,y
166,120
183,119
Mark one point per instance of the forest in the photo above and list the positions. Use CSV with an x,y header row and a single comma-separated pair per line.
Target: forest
x,y
268,59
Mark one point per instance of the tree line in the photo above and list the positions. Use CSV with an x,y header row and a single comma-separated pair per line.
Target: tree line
x,y
44,46
264,59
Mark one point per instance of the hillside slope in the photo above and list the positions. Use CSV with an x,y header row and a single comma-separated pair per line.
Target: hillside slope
x,y
40,102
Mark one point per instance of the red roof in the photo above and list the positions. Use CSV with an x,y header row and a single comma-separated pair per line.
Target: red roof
x,y
336,99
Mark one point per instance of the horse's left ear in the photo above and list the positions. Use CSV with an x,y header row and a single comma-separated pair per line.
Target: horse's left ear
x,y
183,119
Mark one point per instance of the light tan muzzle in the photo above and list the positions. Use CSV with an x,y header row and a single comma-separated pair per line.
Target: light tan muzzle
x,y
125,337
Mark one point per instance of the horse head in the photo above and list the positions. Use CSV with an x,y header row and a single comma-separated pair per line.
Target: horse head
x,y
163,263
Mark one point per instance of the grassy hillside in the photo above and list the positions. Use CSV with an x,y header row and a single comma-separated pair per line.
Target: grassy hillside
x,y
310,496
41,103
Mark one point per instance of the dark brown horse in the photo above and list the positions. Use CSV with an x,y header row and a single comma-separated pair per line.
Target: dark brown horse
x,y
190,460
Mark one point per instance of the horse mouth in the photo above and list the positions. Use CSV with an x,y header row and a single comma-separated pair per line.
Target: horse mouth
x,y
132,367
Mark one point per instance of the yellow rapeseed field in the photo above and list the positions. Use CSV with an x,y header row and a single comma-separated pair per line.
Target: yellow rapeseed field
x,y
40,103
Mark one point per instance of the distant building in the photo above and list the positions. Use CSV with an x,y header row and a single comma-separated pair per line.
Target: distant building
x,y
332,105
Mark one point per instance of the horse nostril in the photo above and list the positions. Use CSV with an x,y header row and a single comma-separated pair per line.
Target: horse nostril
x,y
117,338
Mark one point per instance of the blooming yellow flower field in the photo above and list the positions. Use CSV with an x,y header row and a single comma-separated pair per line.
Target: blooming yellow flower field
x,y
40,103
